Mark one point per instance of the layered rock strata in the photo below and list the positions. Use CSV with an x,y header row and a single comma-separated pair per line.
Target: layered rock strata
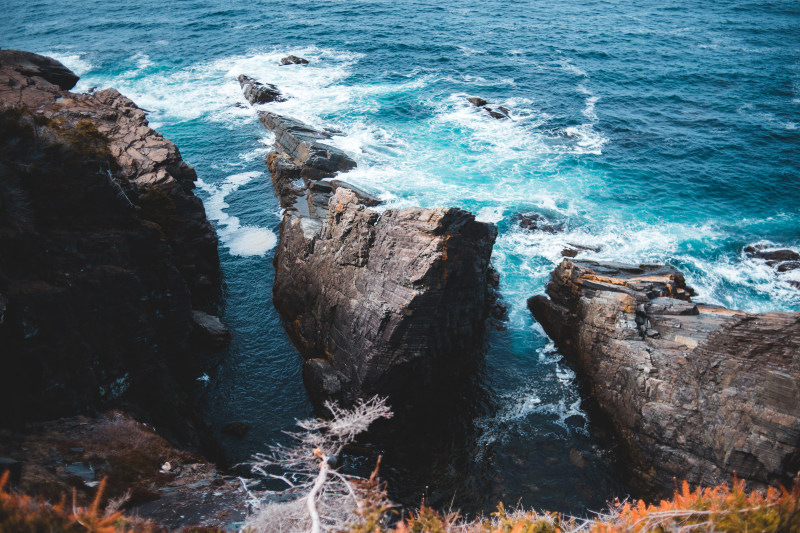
x,y
104,255
259,93
390,303
697,392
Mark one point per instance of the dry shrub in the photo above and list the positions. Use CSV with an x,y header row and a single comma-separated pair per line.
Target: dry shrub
x,y
20,513
722,509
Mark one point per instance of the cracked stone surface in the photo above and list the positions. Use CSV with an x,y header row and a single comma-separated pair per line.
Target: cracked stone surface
x,y
696,391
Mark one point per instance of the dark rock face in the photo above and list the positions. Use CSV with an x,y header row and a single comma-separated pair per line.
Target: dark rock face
x,y
104,254
294,60
695,391
259,93
771,254
499,112
782,260
391,303
382,303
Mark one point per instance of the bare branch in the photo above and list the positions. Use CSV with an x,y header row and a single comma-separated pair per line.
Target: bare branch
x,y
318,497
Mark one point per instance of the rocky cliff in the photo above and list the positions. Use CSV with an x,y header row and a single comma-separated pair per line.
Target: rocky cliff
x,y
391,302
695,391
108,266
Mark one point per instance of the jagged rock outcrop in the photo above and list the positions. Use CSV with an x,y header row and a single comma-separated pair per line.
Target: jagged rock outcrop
x,y
382,303
695,391
499,112
783,261
259,93
104,255
392,303
294,60
301,144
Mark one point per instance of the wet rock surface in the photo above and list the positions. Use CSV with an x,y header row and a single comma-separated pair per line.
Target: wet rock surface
x,y
259,93
294,60
105,254
304,146
499,112
782,260
392,303
697,392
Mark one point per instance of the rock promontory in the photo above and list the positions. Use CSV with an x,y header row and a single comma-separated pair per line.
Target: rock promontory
x,y
392,302
109,273
696,392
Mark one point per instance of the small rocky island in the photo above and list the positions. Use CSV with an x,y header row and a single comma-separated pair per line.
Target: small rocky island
x,y
695,391
392,302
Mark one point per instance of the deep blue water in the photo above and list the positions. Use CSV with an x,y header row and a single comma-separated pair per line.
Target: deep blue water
x,y
658,130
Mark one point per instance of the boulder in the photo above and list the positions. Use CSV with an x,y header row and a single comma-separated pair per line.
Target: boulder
x,y
259,93
477,101
294,60
694,391
383,303
363,196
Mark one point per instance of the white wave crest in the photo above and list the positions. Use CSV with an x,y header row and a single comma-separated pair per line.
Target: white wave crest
x,y
241,240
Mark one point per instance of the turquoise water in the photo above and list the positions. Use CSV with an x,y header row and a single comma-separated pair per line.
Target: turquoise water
x,y
657,131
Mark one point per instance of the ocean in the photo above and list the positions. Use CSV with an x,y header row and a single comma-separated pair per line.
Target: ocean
x,y
653,131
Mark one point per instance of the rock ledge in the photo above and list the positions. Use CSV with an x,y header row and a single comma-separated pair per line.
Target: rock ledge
x,y
697,392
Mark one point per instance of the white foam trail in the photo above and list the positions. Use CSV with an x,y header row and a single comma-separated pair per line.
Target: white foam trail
x,y
567,66
241,240
490,214
467,51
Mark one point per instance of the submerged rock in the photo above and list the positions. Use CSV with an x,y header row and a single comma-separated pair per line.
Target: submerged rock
x,y
696,392
782,260
539,222
259,93
209,330
500,113
236,429
294,60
